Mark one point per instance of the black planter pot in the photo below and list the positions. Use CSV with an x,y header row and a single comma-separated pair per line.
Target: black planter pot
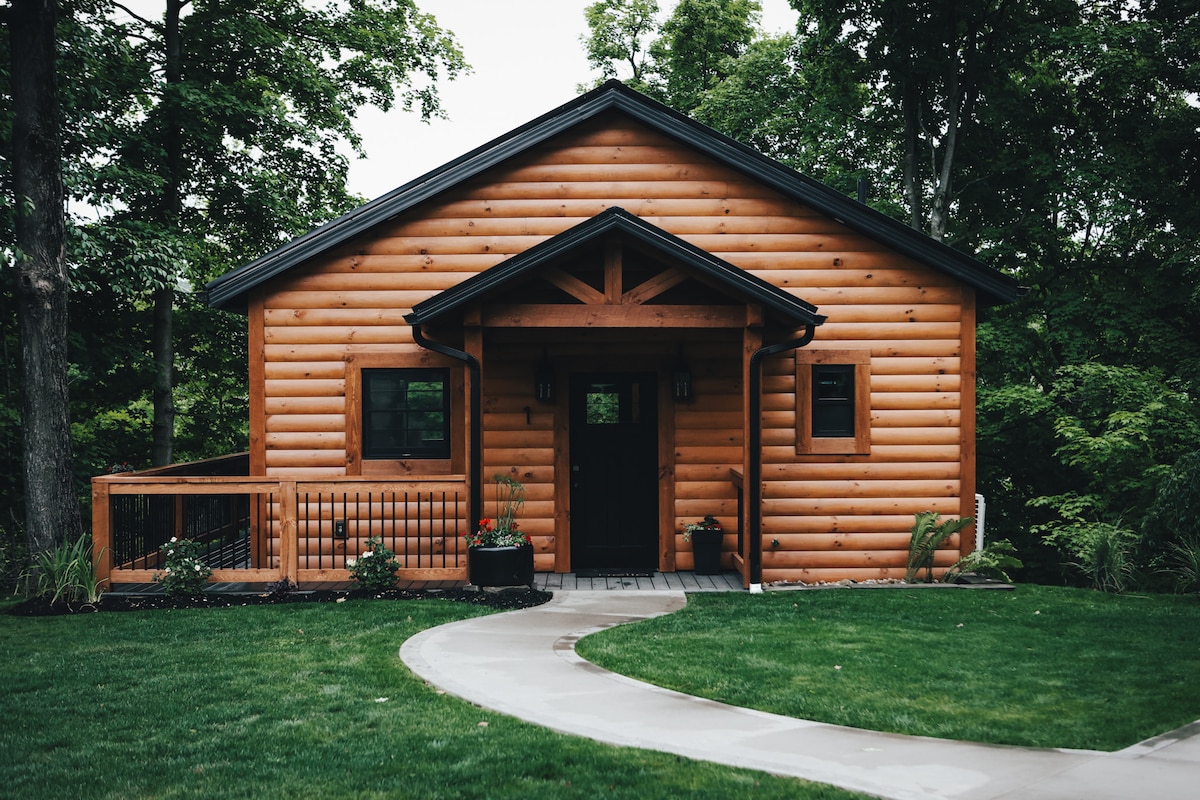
x,y
500,566
706,548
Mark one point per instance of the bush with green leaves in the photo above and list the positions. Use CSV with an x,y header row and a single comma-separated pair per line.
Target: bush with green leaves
x,y
994,561
184,572
67,573
375,568
928,534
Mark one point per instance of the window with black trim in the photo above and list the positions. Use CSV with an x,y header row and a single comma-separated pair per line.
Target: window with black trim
x,y
833,402
405,413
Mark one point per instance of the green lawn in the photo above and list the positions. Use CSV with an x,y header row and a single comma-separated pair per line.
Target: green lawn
x,y
295,701
1039,666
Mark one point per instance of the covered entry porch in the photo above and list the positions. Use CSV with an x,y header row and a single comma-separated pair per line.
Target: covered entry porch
x,y
615,370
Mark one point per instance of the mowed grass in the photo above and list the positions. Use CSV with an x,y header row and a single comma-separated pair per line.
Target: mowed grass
x,y
295,701
1039,666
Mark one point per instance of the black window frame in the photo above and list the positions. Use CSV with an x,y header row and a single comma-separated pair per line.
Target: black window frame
x,y
372,448
833,415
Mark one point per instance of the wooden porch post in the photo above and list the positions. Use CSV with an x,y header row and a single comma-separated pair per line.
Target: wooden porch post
x,y
289,556
101,530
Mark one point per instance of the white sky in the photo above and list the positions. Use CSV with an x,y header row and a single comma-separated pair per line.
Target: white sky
x,y
527,58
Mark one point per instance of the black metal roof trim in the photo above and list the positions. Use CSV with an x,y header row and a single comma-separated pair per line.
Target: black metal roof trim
x,y
228,290
616,220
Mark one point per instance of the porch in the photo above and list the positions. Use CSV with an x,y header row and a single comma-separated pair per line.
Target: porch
x,y
256,531
726,581
263,529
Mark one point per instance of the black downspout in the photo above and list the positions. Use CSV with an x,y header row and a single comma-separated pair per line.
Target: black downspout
x,y
754,468
475,447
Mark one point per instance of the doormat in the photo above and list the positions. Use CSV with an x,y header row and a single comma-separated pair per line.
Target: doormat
x,y
612,572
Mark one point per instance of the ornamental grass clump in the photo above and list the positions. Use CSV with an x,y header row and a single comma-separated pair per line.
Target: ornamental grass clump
x,y
503,531
184,573
375,568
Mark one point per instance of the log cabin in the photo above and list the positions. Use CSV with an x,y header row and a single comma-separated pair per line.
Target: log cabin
x,y
644,322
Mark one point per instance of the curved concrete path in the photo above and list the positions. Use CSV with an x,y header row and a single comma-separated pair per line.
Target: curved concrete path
x,y
523,663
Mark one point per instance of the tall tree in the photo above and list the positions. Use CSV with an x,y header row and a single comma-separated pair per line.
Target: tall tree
x,y
232,144
700,44
933,68
39,274
620,32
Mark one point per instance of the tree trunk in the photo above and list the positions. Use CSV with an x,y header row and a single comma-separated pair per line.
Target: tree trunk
x,y
171,211
51,501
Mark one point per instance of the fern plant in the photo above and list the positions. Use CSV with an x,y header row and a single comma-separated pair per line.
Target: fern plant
x,y
993,561
928,533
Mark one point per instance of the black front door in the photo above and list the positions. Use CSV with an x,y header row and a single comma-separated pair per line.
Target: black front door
x,y
614,470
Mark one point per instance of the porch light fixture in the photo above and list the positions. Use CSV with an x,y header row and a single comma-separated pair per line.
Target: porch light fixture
x,y
681,380
544,381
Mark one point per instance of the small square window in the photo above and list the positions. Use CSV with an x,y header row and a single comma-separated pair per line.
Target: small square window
x,y
405,413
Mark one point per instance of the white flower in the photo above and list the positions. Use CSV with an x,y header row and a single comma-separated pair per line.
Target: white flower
x,y
381,699
170,552
350,562
196,567
168,570
366,554
173,540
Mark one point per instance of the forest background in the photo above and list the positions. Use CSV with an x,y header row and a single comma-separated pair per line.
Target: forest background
x,y
1056,140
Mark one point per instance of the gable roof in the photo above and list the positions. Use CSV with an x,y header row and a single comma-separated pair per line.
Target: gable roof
x,y
793,311
229,290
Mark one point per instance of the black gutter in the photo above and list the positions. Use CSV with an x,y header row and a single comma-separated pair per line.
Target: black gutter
x,y
753,487
475,447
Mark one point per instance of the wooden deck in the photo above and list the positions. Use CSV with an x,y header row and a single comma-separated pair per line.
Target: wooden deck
x,y
544,581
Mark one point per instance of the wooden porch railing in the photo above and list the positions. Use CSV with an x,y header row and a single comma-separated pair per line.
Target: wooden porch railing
x,y
260,530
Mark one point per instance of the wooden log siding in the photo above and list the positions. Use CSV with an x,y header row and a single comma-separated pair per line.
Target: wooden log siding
x,y
834,517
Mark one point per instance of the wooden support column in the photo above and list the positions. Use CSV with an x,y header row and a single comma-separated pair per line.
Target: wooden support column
x,y
289,553
666,470
966,395
612,272
101,530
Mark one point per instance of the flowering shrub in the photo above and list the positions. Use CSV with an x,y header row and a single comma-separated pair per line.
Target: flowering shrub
x,y
510,498
185,572
375,568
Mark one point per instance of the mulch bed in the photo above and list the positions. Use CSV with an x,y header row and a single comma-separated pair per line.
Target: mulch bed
x,y
505,599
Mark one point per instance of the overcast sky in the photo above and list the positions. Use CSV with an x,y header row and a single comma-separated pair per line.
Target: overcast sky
x,y
527,58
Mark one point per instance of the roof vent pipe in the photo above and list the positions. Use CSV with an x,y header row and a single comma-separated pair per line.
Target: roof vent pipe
x,y
475,448
754,467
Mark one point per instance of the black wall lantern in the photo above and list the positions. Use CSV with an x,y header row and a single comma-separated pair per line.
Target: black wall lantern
x,y
681,380
544,381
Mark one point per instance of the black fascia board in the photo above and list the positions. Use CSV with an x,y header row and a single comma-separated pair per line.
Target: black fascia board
x,y
996,287
616,220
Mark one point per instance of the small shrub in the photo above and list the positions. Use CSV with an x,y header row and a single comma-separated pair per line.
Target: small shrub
x,y
1182,565
375,568
1104,553
993,561
185,574
927,536
66,573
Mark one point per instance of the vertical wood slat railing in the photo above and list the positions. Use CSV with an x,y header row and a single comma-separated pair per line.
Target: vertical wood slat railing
x,y
289,528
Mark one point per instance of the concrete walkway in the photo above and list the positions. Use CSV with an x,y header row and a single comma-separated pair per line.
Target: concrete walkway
x,y
523,663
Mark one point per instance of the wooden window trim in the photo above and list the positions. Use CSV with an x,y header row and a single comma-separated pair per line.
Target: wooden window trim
x,y
355,463
860,443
